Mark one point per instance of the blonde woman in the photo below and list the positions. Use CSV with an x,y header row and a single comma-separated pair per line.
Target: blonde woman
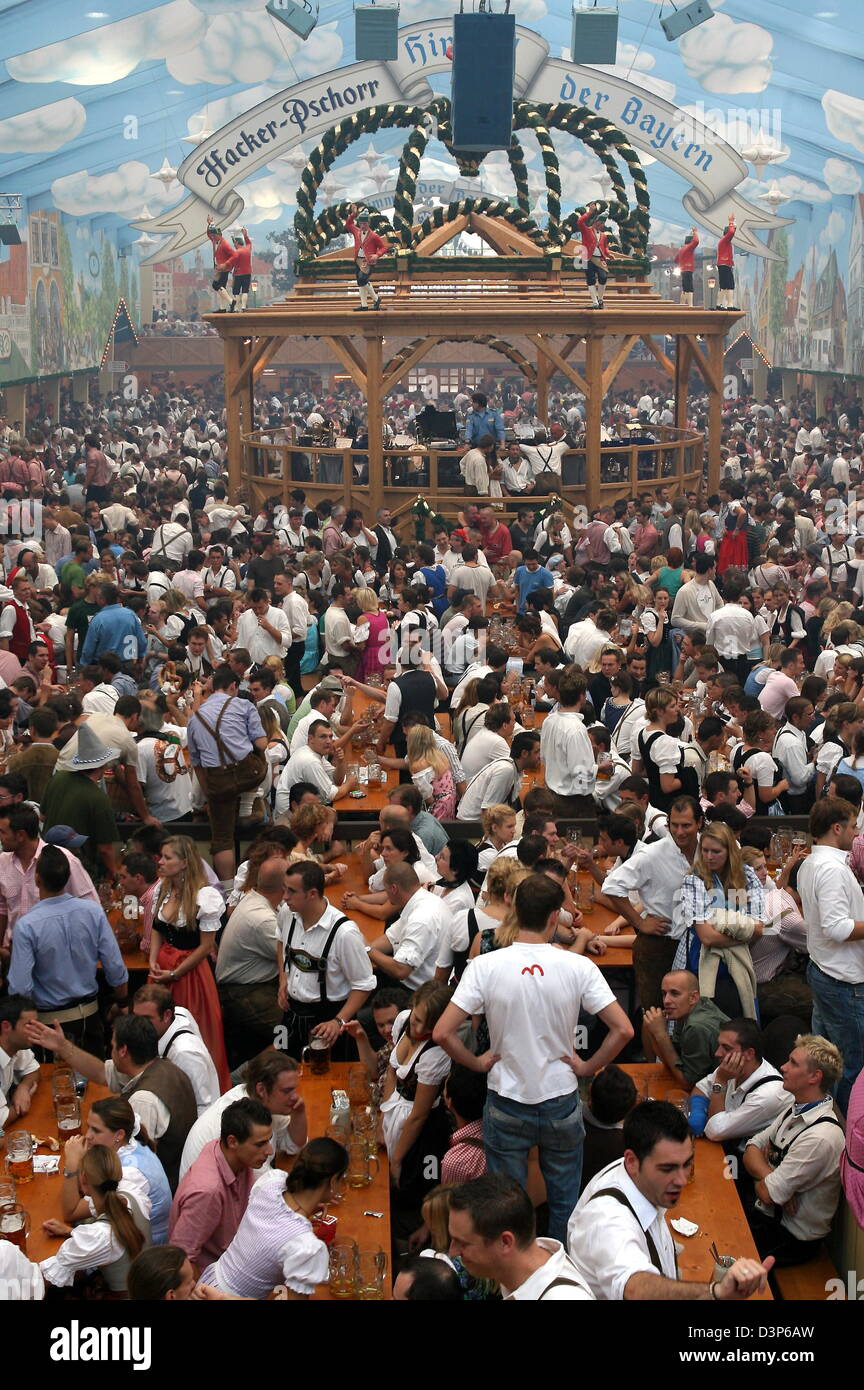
x,y
721,907
660,755
281,690
431,772
186,917
499,832
313,824
108,1241
496,921
373,632
436,1212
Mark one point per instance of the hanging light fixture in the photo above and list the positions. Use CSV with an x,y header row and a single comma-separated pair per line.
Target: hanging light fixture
x,y
773,197
166,174
761,152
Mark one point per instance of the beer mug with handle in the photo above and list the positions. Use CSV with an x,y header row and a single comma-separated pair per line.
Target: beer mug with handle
x,y
360,1162
15,1225
19,1155
318,1056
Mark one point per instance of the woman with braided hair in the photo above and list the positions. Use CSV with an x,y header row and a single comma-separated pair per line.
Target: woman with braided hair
x,y
369,247
108,1241
596,250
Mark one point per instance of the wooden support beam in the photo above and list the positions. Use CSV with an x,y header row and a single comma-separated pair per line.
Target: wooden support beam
x,y
250,361
541,383
375,419
618,361
503,238
440,236
572,342
716,347
656,352
593,414
704,363
396,375
266,357
351,360
682,377
548,351
233,358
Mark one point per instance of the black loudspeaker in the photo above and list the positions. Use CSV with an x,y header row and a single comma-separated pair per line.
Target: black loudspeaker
x,y
376,29
688,17
9,234
484,70
595,35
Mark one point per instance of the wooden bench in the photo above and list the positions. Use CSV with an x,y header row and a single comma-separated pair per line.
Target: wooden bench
x,y
806,1283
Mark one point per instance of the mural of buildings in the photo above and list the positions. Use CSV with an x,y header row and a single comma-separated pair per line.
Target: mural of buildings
x,y
184,286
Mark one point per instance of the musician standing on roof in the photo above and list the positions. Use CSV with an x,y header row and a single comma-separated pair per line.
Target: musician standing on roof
x,y
222,254
684,259
369,247
596,247
241,265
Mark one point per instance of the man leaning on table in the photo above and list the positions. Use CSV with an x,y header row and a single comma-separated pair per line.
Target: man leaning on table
x,y
19,1070
744,1092
617,1236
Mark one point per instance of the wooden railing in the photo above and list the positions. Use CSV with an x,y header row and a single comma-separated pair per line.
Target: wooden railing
x,y
324,471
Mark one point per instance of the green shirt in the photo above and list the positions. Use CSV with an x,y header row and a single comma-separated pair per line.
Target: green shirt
x,y
78,618
696,1040
72,574
73,799
302,709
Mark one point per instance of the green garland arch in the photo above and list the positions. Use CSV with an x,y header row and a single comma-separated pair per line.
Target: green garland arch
x,y
598,133
330,223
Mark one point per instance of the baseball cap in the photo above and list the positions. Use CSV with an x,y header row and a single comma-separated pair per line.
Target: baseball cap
x,y
64,837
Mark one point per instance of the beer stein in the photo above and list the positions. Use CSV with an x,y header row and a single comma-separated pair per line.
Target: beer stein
x,y
19,1155
371,1273
15,1225
360,1161
365,1125
343,1269
62,1084
319,1056
7,1193
358,1085
68,1114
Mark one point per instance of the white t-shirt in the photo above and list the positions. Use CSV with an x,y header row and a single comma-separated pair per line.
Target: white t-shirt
x,y
531,995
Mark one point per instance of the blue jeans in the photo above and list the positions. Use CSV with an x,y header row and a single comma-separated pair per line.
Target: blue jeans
x,y
838,1014
511,1130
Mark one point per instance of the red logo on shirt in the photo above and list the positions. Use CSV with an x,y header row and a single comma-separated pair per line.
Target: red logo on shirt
x,y
529,969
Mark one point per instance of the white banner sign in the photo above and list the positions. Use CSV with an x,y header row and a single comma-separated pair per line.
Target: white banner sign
x,y
249,142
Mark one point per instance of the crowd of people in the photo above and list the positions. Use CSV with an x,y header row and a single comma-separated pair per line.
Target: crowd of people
x,y
177,672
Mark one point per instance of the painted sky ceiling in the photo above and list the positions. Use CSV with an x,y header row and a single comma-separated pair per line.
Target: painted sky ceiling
x,y
87,119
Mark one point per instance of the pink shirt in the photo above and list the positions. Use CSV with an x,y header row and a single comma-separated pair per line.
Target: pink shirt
x,y
776,691
18,890
209,1205
852,1160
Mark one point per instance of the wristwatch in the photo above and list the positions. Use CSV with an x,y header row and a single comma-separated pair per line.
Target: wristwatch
x,y
67,1174
717,1089
341,1022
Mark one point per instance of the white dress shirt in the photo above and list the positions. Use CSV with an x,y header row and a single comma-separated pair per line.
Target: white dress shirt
x,y
259,643
483,748
790,750
810,1172
415,935
305,766
607,1241
584,641
209,1126
832,901
653,876
536,1287
296,610
732,631
347,961
183,1045
12,1071
748,1107
567,754
497,783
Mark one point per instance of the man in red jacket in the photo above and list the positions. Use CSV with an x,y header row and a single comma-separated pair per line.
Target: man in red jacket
x,y
369,247
222,254
596,251
684,259
725,267
241,264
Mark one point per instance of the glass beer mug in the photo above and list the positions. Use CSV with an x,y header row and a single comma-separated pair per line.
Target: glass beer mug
x,y
15,1225
371,1273
62,1084
68,1118
319,1056
360,1161
19,1155
342,1278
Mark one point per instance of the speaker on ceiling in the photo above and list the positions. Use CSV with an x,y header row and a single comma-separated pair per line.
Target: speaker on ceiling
x,y
594,37
688,17
376,29
300,16
484,70
9,234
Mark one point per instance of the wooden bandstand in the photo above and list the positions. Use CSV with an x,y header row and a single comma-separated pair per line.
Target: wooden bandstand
x,y
523,298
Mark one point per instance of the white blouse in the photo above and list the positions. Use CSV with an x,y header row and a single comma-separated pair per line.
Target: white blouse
x,y
274,1245
90,1246
211,905
432,1067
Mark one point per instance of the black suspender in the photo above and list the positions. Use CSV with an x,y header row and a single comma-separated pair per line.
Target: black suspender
x,y
624,1201
314,965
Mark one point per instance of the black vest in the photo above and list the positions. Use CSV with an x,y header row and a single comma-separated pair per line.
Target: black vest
x,y
417,689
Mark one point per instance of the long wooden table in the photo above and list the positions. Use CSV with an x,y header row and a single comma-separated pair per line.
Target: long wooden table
x,y
41,1197
711,1200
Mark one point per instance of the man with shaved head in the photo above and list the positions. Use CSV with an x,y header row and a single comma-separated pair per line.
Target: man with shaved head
x,y
689,1053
